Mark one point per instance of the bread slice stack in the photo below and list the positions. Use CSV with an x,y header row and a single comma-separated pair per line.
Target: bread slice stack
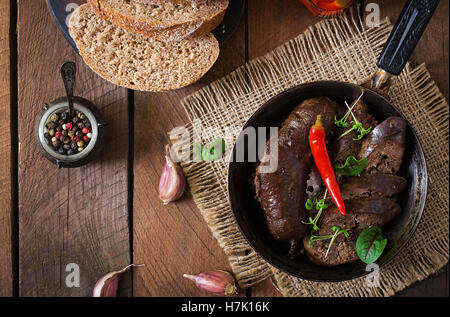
x,y
149,45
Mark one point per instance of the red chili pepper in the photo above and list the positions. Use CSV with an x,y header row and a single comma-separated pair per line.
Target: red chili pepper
x,y
323,163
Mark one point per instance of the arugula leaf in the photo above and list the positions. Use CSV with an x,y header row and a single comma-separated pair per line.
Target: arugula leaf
x,y
370,244
352,166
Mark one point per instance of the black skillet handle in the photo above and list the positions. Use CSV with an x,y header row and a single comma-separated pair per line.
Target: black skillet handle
x,y
406,34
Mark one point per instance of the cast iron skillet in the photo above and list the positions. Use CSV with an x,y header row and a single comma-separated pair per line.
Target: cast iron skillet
x,y
246,209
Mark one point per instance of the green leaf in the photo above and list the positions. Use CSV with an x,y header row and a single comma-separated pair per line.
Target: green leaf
x,y
362,132
212,153
352,166
370,244
321,204
341,123
309,204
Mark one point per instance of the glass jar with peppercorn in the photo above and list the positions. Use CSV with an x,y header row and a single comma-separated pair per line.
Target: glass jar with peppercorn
x,y
70,140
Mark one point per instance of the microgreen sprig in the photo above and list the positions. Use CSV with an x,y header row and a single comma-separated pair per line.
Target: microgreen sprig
x,y
337,231
310,203
343,122
320,206
356,126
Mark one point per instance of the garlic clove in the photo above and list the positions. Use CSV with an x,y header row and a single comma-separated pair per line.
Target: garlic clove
x,y
216,282
107,285
172,182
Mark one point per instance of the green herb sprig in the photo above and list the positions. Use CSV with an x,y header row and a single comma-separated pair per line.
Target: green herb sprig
x,y
343,122
356,126
320,206
337,231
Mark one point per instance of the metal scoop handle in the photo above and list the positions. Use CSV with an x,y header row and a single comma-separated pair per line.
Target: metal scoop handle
x,y
68,72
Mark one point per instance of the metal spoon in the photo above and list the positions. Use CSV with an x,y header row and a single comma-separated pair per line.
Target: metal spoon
x,y
68,71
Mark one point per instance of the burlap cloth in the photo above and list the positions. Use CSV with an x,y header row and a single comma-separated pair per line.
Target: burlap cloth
x,y
333,49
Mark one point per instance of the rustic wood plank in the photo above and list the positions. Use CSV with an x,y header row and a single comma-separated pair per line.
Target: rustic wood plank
x,y
271,23
174,239
67,216
6,263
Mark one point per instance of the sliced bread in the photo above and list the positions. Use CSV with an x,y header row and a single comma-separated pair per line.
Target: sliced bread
x,y
138,62
166,22
175,2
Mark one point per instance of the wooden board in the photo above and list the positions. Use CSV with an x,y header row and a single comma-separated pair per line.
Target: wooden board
x,y
6,264
173,239
67,216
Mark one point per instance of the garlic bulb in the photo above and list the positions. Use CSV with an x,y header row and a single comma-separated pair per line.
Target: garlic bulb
x,y
172,182
216,282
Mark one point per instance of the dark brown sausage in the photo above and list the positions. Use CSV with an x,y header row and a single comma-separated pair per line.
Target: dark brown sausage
x,y
346,146
372,186
384,146
369,187
281,193
340,252
362,213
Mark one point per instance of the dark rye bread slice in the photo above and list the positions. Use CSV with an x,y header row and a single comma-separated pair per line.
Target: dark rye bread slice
x,y
135,61
174,2
162,22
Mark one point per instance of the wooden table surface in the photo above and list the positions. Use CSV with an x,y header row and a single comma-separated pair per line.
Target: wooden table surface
x,y
107,214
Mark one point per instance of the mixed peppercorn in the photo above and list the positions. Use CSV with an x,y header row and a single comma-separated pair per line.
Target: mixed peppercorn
x,y
68,135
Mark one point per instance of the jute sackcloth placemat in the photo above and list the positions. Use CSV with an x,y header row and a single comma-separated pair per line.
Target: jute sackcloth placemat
x,y
333,49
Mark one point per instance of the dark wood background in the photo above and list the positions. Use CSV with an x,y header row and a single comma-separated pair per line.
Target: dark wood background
x,y
107,214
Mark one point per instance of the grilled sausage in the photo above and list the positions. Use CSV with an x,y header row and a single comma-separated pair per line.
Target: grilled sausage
x,y
281,193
